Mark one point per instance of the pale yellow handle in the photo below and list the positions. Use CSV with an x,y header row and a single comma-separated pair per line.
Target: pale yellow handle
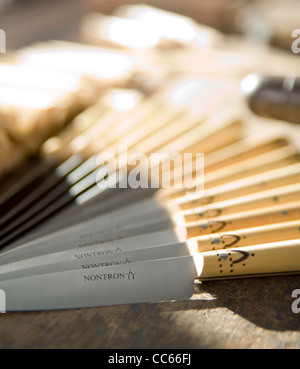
x,y
257,217
246,186
247,158
261,200
272,160
253,261
250,236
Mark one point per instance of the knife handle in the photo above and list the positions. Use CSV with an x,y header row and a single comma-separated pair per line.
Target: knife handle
x,y
273,97
261,260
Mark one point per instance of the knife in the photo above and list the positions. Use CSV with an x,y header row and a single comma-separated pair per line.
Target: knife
x,y
148,210
147,281
96,257
273,96
40,248
141,282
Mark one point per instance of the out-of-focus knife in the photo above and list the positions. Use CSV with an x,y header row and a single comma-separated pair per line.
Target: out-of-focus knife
x,y
273,97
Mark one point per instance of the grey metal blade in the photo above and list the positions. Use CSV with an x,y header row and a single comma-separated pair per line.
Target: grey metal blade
x,y
45,247
141,282
86,235
132,215
93,258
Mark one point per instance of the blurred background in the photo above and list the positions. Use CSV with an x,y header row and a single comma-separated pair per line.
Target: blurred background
x,y
91,47
269,21
212,40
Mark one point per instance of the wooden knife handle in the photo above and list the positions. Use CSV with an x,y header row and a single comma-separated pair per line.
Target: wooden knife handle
x,y
261,260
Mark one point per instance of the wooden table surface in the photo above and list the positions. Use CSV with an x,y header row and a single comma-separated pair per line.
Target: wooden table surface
x,y
249,313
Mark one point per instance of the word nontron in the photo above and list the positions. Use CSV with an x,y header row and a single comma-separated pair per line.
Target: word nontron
x,y
2,302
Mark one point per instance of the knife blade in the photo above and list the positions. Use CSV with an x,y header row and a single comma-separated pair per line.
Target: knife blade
x,y
141,282
96,257
153,280
40,248
143,211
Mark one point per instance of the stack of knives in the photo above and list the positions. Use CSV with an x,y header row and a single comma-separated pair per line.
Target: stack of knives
x,y
74,232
